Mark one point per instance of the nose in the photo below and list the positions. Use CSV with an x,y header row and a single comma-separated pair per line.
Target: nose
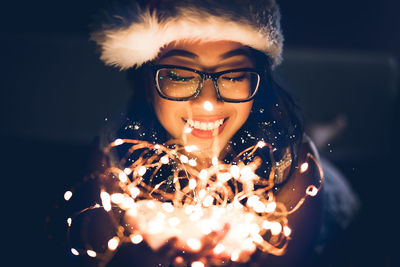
x,y
207,93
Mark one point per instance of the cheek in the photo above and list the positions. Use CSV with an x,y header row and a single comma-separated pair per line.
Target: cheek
x,y
243,112
167,113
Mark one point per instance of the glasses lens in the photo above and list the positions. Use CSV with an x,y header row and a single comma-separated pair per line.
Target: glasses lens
x,y
238,85
177,83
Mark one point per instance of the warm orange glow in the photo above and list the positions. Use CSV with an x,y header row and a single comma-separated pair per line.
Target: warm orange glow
x,y
229,199
208,106
219,249
303,167
91,253
75,252
113,243
194,244
67,195
197,264
106,200
136,238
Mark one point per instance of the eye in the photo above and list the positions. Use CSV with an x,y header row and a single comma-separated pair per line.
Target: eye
x,y
176,77
235,77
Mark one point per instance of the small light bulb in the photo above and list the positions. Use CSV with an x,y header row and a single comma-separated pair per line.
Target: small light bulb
x,y
91,253
303,167
67,195
208,106
75,252
142,170
194,244
118,142
113,243
136,239
218,249
197,264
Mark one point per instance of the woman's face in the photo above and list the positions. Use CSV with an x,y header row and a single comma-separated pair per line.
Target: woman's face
x,y
203,121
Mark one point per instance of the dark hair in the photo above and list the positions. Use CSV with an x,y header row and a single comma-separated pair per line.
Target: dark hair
x,y
274,117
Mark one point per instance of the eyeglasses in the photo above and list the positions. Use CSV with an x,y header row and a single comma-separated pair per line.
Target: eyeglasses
x,y
181,84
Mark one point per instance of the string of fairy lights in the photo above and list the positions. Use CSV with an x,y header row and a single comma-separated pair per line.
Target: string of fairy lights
x,y
194,202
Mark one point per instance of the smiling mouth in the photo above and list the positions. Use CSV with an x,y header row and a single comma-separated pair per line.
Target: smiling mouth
x,y
205,127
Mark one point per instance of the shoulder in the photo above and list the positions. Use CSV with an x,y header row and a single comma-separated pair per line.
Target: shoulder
x,y
307,219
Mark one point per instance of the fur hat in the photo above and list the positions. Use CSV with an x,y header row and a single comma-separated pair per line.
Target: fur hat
x,y
133,34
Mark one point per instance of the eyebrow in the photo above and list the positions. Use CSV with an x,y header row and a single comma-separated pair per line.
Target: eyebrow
x,y
236,52
179,52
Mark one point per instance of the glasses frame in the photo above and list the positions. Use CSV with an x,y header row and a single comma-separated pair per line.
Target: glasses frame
x,y
205,76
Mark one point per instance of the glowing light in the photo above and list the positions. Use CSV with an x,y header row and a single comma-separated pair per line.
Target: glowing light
x,y
246,174
235,256
113,243
198,203
117,198
118,142
203,175
192,162
155,226
214,161
174,221
75,252
276,228
167,207
311,191
164,160
184,159
191,148
133,190
67,195
127,203
248,245
271,206
123,177
219,249
208,106
254,229
187,130
287,231
252,200
194,244
197,264
261,144
178,260
202,193
91,253
266,225
303,167
208,201
189,209
142,170
258,239
151,204
235,171
136,238
224,177
192,184
106,200
259,207
127,171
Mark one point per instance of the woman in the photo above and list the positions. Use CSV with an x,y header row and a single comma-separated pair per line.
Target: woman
x,y
201,73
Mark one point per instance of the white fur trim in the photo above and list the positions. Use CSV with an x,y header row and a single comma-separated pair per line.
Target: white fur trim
x,y
142,40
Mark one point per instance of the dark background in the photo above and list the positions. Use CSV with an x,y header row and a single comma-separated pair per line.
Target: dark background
x,y
47,133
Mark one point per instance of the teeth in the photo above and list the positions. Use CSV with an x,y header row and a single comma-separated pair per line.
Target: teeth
x,y
204,125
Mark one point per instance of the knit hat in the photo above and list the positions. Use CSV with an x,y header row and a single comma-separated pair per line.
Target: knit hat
x,y
134,33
